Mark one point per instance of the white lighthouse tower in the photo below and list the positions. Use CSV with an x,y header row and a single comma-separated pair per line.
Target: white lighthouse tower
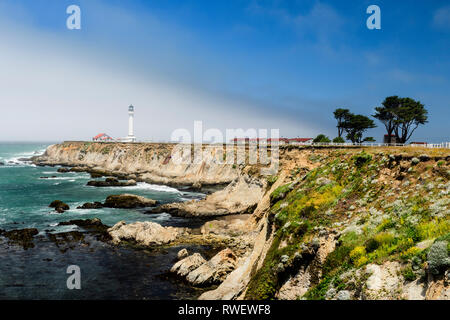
x,y
131,137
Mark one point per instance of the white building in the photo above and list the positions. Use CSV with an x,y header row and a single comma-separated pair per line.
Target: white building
x,y
130,137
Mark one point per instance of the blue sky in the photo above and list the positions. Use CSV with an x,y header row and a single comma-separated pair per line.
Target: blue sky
x,y
233,64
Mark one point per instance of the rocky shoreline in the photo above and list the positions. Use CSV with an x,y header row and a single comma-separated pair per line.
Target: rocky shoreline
x,y
301,237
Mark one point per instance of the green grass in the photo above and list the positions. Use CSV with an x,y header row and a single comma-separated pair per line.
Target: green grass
x,y
297,212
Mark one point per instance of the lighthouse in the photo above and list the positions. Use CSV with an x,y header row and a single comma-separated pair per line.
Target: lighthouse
x,y
131,137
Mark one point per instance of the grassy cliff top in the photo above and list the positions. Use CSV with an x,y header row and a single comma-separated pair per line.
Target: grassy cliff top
x,y
383,206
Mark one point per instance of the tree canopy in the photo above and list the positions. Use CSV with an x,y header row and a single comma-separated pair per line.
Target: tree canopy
x,y
401,116
338,140
342,116
321,138
409,116
387,114
356,125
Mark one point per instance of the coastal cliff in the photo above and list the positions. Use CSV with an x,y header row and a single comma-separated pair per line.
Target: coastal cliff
x,y
235,188
360,224
149,162
332,223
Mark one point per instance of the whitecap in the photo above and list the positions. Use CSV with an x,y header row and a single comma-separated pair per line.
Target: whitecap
x,y
148,186
163,217
15,158
71,179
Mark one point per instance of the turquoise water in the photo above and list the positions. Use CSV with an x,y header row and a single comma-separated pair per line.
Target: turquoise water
x,y
25,194
107,271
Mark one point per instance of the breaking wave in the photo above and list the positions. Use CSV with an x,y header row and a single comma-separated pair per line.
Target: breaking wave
x,y
148,186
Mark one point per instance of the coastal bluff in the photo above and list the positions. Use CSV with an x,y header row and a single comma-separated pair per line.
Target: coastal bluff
x,y
348,223
233,188
148,162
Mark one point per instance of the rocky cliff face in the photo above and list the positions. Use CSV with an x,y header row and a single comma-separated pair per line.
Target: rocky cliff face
x,y
148,162
333,223
239,187
349,224
361,224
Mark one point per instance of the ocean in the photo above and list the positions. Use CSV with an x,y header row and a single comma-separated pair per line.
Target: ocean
x,y
108,272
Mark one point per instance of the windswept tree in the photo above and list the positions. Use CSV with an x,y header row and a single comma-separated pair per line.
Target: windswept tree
x,y
409,116
387,114
401,116
356,125
342,116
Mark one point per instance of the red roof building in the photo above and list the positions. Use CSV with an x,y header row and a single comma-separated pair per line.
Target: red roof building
x,y
274,140
102,137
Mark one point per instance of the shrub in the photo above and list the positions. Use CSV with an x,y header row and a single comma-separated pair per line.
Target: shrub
x,y
411,252
384,238
321,138
362,159
336,259
413,233
361,261
271,180
319,292
357,252
338,140
386,224
438,259
433,229
279,193
409,274
379,240
371,245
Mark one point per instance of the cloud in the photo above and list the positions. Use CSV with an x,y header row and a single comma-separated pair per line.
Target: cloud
x,y
322,20
57,86
373,59
409,77
441,18
320,28
402,76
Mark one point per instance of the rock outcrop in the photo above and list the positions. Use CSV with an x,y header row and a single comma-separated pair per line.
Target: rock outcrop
x,y
240,196
188,264
22,237
200,272
144,233
128,201
183,253
309,270
59,206
86,223
91,205
215,270
111,182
